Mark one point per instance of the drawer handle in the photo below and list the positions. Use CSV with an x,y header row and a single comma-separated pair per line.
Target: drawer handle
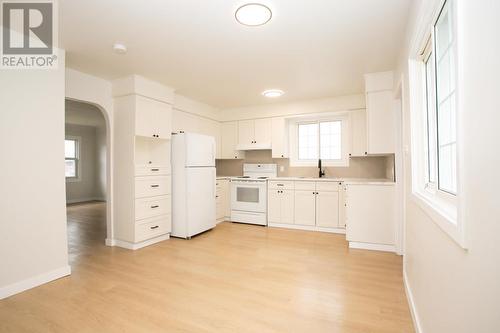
x,y
155,185
155,206
155,169
155,227
280,184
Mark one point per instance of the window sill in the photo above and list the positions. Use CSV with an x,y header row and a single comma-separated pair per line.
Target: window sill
x,y
441,212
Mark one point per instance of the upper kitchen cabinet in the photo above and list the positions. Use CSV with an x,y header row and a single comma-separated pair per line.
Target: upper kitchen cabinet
x,y
358,133
379,113
229,141
152,118
254,134
279,138
149,102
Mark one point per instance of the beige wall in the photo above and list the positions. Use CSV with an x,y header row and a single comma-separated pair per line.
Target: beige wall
x,y
359,167
453,289
33,240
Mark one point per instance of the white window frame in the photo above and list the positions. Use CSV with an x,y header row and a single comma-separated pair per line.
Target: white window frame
x,y
440,206
343,117
78,141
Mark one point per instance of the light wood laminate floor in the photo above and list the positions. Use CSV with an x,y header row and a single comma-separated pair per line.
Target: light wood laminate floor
x,y
235,278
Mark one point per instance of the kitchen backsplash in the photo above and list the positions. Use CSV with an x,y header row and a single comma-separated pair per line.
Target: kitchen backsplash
x,y
359,167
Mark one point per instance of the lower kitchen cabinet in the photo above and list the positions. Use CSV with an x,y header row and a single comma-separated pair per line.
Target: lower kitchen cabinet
x,y
280,206
370,215
305,207
327,209
222,198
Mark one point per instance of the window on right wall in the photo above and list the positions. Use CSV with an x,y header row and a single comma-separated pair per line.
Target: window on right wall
x,y
435,129
440,107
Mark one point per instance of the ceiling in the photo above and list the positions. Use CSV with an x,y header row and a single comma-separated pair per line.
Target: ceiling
x,y
310,49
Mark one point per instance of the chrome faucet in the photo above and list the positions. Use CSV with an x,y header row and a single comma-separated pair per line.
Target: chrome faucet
x,y
321,172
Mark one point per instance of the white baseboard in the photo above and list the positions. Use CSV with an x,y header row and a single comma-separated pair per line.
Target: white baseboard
x,y
307,228
34,281
371,246
72,201
411,304
110,242
136,246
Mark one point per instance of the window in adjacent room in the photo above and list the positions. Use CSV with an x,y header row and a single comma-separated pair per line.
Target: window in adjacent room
x,y
71,154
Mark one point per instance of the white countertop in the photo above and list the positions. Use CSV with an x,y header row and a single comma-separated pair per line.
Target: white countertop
x,y
364,181
372,181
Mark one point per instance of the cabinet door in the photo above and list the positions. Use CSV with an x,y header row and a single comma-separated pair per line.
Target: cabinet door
x,y
263,131
145,116
327,209
274,206
219,205
229,140
279,138
380,122
227,198
305,207
163,120
246,132
358,133
287,206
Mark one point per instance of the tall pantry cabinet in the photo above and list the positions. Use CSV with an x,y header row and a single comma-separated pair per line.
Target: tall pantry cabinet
x,y
142,173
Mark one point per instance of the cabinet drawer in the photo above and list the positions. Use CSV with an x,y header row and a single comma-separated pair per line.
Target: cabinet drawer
x,y
305,186
152,186
153,227
149,170
328,186
281,185
149,207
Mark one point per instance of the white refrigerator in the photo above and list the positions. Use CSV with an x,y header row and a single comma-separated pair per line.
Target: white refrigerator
x,y
193,184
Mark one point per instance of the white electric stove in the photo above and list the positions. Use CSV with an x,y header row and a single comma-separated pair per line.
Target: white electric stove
x,y
249,193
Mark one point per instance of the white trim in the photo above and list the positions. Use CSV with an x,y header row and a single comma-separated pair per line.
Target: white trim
x,y
34,281
110,242
307,228
78,200
371,246
411,304
136,246
223,219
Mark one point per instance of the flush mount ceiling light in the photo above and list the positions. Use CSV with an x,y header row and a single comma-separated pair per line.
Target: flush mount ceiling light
x,y
119,48
253,14
272,93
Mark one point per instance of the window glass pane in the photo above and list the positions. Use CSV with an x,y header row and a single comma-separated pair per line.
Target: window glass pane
x,y
308,141
70,148
331,140
446,110
431,120
70,168
447,168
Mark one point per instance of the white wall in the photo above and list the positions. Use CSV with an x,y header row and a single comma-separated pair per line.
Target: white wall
x,y
457,290
91,89
340,103
33,240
